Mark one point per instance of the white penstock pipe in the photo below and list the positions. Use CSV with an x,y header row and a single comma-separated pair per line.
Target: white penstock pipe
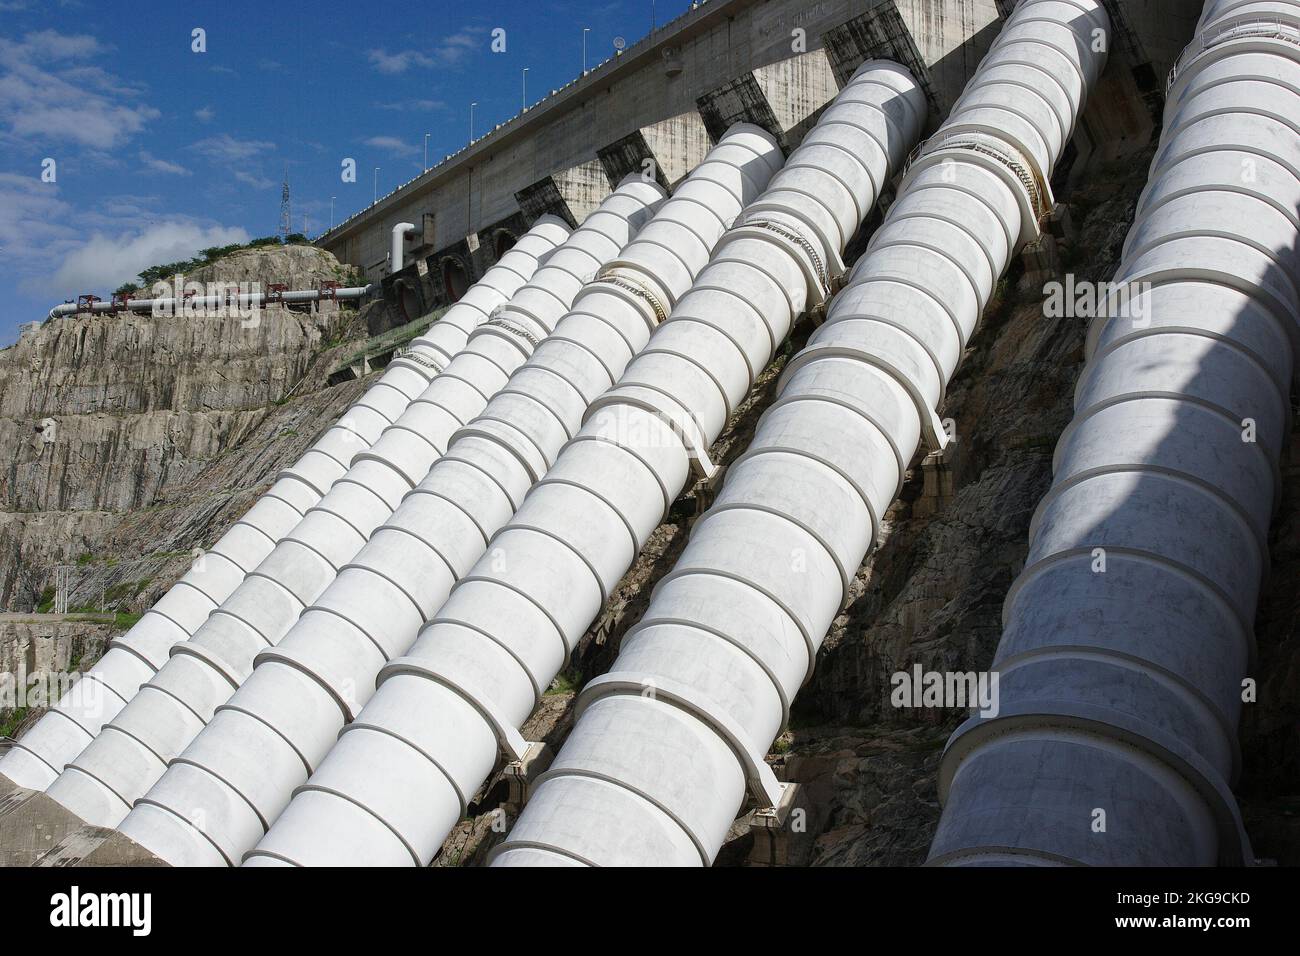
x,y
103,782
396,251
669,745
401,774
217,799
1130,631
132,659
438,533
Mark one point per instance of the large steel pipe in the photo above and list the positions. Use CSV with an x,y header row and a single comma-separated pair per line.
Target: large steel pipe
x,y
402,773
133,658
201,303
102,783
1129,633
670,744
217,799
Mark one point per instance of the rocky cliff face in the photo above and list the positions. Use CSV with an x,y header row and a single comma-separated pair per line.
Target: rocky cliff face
x,y
135,436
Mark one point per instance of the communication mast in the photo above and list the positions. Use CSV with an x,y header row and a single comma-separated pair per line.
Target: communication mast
x,y
286,217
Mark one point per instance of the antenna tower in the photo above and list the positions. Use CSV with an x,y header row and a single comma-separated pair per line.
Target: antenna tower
x,y
286,219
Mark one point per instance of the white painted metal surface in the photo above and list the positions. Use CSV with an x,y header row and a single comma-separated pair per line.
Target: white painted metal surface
x,y
216,800
102,783
401,773
669,745
1131,629
133,658
396,250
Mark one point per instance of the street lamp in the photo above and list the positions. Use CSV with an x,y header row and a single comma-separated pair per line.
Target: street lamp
x,y
471,121
585,31
376,199
426,152
523,102
331,212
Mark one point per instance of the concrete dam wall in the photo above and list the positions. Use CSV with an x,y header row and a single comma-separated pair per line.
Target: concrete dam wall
x,y
658,107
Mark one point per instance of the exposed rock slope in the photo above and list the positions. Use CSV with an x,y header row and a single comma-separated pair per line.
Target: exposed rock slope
x,y
112,417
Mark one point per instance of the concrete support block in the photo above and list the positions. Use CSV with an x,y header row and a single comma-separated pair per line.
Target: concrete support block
x,y
937,472
782,836
1042,262
31,824
677,145
98,846
521,776
740,101
796,90
572,194
495,239
879,33
452,271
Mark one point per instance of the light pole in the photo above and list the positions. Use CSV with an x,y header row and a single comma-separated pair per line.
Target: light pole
x,y
426,152
523,98
585,31
471,121
376,199
331,212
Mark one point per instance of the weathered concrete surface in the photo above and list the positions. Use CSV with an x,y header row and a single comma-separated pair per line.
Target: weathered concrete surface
x,y
98,846
31,824
700,56
570,193
707,48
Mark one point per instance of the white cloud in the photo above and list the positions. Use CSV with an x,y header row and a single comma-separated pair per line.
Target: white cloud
x,y
162,165
227,149
392,145
253,179
451,51
407,106
458,45
43,242
398,62
52,45
205,115
46,95
105,261
32,219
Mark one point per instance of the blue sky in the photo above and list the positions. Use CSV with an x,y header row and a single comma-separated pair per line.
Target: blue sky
x,y
160,151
